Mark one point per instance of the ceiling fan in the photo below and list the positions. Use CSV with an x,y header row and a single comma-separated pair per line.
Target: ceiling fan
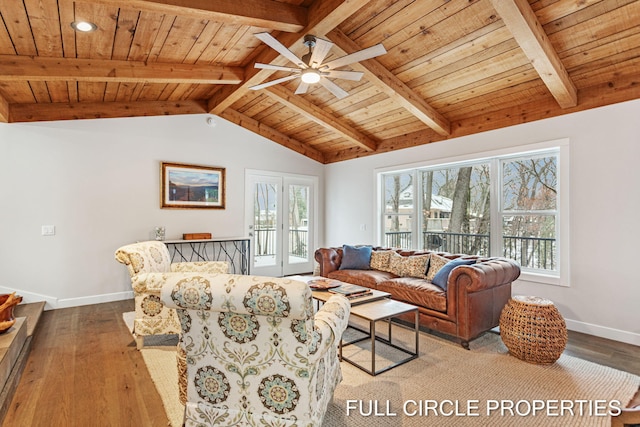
x,y
310,68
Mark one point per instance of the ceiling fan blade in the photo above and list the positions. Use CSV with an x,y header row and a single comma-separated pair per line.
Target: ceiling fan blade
x,y
333,88
356,76
302,88
358,56
273,82
320,51
281,49
276,67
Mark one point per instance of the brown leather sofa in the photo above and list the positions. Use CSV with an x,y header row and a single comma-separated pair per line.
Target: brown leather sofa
x,y
470,306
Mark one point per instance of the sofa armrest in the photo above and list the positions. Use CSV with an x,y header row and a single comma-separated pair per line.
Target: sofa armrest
x,y
484,275
209,267
148,283
330,322
329,260
152,283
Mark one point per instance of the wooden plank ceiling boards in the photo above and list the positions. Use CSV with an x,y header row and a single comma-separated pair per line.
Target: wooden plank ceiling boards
x,y
452,67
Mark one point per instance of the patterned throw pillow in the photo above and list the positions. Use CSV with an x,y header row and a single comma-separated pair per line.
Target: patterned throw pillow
x,y
380,260
416,266
396,264
435,264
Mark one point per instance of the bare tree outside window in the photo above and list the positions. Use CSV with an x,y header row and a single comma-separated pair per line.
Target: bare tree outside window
x,y
529,210
298,221
455,209
399,209
265,218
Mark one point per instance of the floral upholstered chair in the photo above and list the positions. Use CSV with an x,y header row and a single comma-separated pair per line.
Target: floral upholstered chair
x,y
148,264
256,353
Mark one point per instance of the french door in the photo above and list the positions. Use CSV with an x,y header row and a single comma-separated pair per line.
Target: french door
x,y
280,220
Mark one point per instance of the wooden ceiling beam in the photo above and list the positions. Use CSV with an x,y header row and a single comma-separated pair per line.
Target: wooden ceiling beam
x,y
319,116
392,86
271,134
523,24
29,68
324,15
256,13
101,110
4,110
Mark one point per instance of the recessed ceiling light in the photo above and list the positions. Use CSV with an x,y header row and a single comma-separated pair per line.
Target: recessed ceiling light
x,y
84,26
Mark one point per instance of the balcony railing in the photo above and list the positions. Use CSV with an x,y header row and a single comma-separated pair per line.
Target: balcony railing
x,y
265,242
530,252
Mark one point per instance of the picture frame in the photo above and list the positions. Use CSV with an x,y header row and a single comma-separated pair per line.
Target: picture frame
x,y
185,186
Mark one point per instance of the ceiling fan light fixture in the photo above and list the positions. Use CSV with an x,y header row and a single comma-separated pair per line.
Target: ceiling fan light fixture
x,y
310,76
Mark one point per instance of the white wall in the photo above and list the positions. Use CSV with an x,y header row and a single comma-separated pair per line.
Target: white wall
x,y
604,294
98,181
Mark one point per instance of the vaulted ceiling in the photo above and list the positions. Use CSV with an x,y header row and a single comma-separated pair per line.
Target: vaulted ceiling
x,y
452,67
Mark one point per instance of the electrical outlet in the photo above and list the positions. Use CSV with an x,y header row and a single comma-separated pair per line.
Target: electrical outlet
x,y
48,230
363,227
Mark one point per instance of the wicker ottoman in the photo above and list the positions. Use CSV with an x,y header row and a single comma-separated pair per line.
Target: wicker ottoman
x,y
533,329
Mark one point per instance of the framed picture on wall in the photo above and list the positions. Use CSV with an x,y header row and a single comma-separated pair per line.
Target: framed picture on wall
x,y
192,186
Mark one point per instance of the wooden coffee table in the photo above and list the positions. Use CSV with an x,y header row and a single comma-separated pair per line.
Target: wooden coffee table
x,y
375,295
381,309
372,308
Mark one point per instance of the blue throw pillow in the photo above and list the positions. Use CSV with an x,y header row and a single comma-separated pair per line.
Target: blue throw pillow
x,y
442,276
355,258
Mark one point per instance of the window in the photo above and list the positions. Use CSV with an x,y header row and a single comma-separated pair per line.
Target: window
x,y
529,213
398,209
506,205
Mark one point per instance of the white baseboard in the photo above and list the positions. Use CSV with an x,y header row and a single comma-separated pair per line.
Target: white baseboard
x,y
29,297
52,303
94,299
603,332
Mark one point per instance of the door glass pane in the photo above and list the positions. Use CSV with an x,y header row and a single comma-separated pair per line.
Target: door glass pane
x,y
531,240
265,221
298,224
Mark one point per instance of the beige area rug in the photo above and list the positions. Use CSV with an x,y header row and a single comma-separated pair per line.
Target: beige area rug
x,y
452,386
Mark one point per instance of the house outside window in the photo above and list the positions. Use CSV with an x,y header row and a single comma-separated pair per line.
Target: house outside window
x,y
503,205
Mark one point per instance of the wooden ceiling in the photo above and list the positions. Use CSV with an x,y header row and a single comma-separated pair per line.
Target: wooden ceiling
x,y
453,67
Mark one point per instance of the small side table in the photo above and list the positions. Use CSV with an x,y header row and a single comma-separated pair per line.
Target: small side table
x,y
533,329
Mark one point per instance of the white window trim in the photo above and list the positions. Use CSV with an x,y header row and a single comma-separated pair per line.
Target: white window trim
x,y
563,277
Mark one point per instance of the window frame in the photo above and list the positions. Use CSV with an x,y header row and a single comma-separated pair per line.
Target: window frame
x,y
558,147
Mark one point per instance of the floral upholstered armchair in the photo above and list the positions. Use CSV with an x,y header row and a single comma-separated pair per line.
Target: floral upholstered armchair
x,y
149,263
256,353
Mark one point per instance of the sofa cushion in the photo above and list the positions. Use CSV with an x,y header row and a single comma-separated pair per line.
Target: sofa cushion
x,y
416,266
442,276
409,266
380,260
355,258
436,262
396,264
417,292
368,278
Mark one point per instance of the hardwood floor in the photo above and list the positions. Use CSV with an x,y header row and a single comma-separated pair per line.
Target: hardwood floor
x,y
84,370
